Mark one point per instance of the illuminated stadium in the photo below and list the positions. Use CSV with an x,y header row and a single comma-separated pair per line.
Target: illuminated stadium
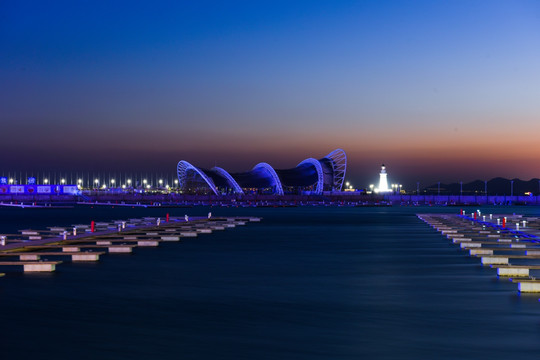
x,y
310,176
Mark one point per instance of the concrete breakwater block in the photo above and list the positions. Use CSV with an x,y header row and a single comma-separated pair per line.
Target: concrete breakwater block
x,y
29,257
170,238
85,256
466,245
473,252
71,248
459,240
147,243
39,267
512,271
188,234
494,260
120,249
529,287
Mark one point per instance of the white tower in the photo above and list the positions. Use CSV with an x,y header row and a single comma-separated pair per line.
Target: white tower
x,y
383,181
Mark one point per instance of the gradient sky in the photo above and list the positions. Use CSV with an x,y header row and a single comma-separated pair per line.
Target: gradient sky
x,y
437,90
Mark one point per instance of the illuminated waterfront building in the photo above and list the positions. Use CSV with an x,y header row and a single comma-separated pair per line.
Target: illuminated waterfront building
x,y
309,176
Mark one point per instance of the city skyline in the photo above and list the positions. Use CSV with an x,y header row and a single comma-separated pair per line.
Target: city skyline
x,y
437,91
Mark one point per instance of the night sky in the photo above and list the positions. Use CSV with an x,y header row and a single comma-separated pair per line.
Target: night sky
x,y
437,90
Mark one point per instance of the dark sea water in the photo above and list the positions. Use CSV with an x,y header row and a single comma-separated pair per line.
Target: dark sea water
x,y
305,283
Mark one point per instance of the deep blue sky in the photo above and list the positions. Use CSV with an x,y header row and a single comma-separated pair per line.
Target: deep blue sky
x,y
438,90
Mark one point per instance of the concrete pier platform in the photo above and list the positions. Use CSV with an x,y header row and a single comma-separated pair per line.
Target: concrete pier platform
x,y
33,266
116,236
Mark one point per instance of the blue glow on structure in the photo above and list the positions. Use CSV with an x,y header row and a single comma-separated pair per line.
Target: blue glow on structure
x,y
320,173
275,178
230,180
182,171
330,176
339,163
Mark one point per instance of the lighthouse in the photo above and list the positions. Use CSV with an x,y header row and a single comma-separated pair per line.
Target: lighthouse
x,y
383,181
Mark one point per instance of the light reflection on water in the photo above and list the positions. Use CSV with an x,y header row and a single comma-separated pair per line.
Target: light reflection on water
x,y
305,283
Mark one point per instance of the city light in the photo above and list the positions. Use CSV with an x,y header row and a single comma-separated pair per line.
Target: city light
x,y
62,181
45,181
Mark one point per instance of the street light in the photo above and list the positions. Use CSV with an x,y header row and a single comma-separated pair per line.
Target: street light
x,y
112,182
45,181
11,180
62,181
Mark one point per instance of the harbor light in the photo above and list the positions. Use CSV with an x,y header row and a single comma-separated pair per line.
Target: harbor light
x,y
112,182
144,181
124,186
160,182
129,181
176,181
148,186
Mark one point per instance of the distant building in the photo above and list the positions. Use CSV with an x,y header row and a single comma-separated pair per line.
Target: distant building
x,y
309,176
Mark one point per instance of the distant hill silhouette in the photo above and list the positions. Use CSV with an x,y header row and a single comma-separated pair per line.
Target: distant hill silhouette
x,y
496,186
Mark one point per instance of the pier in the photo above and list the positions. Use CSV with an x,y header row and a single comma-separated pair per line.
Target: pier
x,y
508,244
88,243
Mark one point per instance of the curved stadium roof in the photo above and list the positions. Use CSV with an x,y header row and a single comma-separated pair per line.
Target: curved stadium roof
x,y
326,174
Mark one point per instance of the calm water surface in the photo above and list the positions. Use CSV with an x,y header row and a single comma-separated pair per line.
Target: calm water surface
x,y
305,283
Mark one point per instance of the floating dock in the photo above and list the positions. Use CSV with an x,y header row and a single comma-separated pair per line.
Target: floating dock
x,y
508,244
31,249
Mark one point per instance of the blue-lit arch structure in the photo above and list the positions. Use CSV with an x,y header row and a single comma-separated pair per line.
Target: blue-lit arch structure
x,y
309,176
234,185
185,169
320,174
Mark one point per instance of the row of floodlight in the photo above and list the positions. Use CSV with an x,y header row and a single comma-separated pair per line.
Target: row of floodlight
x,y
112,183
